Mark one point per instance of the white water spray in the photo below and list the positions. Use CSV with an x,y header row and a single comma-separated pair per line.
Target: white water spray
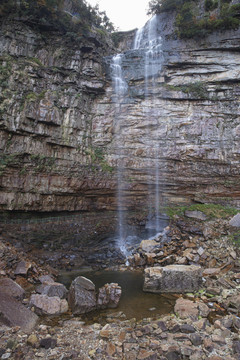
x,y
120,90
149,40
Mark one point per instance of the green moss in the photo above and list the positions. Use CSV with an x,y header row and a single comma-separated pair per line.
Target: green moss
x,y
210,210
42,163
35,60
197,89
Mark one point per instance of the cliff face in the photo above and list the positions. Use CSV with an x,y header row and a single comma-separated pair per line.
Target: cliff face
x,y
191,115
61,140
49,83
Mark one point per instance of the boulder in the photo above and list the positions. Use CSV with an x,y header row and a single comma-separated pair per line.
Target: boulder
x,y
109,296
11,288
235,221
45,305
53,289
195,214
172,279
82,296
13,313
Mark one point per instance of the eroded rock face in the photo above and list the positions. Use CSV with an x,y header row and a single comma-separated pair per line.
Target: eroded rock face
x,y
82,296
60,141
172,279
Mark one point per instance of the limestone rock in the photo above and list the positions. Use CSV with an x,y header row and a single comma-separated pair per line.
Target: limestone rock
x,y
109,296
235,221
13,313
11,288
82,296
45,305
198,215
173,279
149,245
53,289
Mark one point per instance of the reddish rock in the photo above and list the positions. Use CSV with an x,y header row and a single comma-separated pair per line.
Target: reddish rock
x,y
11,288
109,296
186,309
13,313
211,272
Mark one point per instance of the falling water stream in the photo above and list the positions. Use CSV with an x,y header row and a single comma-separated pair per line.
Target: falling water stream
x,y
149,42
120,89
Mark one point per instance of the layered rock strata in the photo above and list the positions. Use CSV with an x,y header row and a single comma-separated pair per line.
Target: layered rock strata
x,y
59,139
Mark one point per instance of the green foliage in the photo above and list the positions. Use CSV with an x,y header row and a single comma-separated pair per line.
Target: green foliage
x,y
192,25
197,89
42,163
51,14
97,158
210,210
210,5
7,160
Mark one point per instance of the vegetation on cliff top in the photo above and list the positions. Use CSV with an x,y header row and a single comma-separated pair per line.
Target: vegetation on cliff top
x,y
197,18
72,16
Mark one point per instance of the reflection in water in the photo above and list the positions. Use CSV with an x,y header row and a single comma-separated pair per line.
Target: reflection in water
x,y
134,303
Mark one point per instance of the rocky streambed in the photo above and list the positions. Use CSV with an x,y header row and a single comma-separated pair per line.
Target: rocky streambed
x,y
203,323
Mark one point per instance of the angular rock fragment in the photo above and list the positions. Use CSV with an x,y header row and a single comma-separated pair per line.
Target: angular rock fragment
x,y
235,221
109,296
195,214
45,305
22,268
13,313
82,296
149,245
11,288
53,289
173,279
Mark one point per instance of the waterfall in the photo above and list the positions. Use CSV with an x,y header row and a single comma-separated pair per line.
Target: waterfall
x,y
150,42
120,89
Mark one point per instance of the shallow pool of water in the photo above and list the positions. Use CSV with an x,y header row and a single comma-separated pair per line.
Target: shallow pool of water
x,y
134,303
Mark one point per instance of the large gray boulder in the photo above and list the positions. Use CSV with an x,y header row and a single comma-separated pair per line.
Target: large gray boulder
x,y
82,296
10,287
13,313
172,279
53,289
109,296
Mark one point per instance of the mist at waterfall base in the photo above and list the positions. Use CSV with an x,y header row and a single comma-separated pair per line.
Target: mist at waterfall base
x,y
147,40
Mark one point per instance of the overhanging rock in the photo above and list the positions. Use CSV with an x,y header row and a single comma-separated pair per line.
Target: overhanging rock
x,y
173,279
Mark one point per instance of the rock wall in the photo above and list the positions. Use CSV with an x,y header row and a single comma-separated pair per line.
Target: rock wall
x,y
49,83
61,140
191,113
